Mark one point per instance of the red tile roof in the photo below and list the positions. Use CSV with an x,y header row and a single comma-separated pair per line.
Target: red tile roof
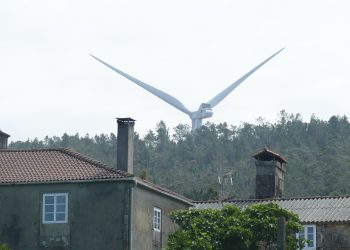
x,y
52,165
63,165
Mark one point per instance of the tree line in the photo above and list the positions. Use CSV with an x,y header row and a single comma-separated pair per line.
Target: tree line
x,y
317,151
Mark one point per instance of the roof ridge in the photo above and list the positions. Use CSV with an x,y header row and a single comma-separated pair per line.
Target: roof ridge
x,y
30,150
90,160
284,198
208,201
316,197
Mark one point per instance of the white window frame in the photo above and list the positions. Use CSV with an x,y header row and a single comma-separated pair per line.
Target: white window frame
x,y
306,237
55,195
157,214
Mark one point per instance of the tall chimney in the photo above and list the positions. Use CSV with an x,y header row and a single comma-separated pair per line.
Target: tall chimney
x,y
3,140
125,144
270,169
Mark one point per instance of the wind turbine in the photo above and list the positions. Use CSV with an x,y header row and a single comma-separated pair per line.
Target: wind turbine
x,y
205,110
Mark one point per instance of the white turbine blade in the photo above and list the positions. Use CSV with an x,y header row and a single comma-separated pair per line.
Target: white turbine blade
x,y
162,95
218,98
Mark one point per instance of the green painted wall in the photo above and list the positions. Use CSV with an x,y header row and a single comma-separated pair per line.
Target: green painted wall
x,y
144,200
96,217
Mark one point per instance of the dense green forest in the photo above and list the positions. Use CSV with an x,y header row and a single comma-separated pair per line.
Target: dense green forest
x,y
317,151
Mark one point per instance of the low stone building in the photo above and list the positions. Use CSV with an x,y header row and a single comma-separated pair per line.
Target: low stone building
x,y
60,199
326,219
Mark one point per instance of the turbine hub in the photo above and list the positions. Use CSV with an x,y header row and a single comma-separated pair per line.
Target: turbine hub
x,y
204,111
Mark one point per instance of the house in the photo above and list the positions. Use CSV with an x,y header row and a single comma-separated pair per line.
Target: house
x,y
326,219
60,199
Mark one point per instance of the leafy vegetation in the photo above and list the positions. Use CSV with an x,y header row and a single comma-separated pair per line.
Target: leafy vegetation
x,y
231,228
318,153
4,247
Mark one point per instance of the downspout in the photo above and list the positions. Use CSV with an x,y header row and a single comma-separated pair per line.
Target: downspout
x,y
131,206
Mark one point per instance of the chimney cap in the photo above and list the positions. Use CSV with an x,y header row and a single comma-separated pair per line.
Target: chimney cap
x,y
4,134
126,120
268,155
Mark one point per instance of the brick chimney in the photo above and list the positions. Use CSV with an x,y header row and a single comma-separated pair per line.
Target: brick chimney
x,y
125,144
270,169
3,140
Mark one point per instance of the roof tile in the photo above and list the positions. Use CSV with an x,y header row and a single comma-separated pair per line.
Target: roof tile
x,y
47,165
310,209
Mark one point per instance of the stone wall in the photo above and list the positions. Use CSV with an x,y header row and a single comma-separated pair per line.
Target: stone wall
x,y
333,236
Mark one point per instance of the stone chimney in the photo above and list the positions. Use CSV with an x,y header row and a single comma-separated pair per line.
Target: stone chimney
x,y
3,140
125,144
270,169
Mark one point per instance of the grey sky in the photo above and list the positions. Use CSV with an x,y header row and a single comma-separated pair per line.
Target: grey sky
x,y
191,49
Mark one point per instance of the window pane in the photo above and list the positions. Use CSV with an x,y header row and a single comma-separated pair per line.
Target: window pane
x,y
49,208
48,216
311,243
60,216
49,200
61,208
156,219
310,236
61,199
301,235
55,207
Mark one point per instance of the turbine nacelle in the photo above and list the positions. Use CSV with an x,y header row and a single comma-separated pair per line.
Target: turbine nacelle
x,y
206,109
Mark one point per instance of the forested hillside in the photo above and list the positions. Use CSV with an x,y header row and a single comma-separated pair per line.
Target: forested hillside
x,y
318,153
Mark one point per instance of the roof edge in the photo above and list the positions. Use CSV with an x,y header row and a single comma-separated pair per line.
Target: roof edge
x,y
268,151
164,191
275,199
4,134
67,181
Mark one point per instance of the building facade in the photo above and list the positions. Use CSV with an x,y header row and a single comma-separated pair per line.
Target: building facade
x,y
326,219
58,199
86,215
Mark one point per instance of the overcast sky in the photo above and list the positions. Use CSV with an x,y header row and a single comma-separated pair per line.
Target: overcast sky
x,y
192,49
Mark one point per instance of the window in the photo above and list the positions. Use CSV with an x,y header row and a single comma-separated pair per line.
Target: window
x,y
157,227
308,233
157,219
55,208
